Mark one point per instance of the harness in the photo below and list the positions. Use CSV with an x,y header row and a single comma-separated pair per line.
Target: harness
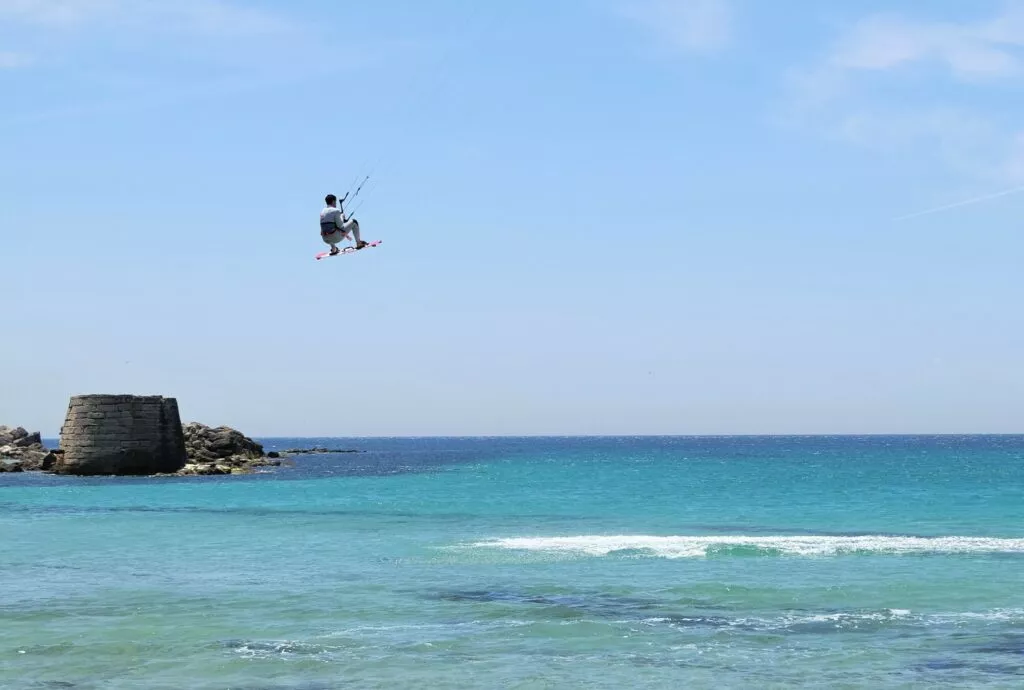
x,y
329,227
333,225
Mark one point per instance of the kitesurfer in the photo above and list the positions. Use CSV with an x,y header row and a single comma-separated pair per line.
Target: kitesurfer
x,y
335,227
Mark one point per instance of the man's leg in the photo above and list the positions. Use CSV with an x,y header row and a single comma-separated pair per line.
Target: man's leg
x,y
332,239
352,227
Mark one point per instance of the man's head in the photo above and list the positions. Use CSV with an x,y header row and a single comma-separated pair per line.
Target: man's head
x,y
331,200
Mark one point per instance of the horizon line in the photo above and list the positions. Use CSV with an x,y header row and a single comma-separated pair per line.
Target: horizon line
x,y
625,435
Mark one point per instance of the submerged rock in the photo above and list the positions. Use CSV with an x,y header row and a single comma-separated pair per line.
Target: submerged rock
x,y
319,450
203,469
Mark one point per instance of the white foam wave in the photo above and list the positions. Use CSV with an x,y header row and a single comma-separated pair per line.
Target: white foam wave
x,y
854,620
702,546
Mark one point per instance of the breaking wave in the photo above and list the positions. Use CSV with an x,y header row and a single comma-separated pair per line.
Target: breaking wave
x,y
738,545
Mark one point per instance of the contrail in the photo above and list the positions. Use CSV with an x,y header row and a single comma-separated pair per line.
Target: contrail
x,y
976,200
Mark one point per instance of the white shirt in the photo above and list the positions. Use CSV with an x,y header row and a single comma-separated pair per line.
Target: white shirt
x,y
331,218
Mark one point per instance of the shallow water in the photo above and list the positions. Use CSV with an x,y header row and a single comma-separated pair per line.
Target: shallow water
x,y
602,563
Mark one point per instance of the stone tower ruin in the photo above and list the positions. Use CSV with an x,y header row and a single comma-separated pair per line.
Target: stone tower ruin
x,y
121,434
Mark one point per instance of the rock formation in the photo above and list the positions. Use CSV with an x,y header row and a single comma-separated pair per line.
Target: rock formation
x,y
121,435
221,450
22,451
136,435
317,450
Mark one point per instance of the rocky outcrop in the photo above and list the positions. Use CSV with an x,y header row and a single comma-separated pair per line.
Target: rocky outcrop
x,y
221,450
18,437
133,435
318,450
21,451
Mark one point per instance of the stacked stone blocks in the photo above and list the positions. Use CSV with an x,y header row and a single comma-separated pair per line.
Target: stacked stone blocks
x,y
121,434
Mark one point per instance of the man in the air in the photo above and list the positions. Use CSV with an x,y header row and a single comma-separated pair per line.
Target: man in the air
x,y
334,227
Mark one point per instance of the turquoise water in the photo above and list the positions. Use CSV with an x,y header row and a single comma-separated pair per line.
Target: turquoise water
x,y
872,562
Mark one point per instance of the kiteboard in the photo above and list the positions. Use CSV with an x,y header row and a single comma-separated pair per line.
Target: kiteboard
x,y
346,250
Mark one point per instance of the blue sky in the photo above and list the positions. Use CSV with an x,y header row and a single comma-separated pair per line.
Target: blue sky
x,y
598,216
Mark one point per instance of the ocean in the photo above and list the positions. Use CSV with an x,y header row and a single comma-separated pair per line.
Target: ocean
x,y
634,562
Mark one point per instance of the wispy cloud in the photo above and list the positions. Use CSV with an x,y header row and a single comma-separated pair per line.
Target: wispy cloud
x,y
984,49
895,82
11,60
129,53
691,26
52,12
228,31
202,16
